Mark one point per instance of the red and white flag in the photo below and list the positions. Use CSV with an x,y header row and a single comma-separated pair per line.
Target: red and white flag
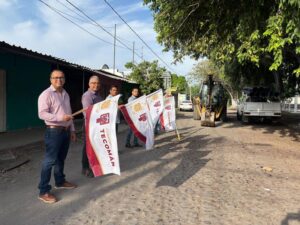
x,y
101,139
168,117
137,115
155,103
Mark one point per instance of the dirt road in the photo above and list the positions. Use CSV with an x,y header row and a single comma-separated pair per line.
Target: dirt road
x,y
231,174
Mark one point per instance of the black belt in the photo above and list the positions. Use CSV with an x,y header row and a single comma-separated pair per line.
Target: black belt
x,y
58,127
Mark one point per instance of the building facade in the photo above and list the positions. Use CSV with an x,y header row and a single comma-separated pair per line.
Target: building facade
x,y
24,74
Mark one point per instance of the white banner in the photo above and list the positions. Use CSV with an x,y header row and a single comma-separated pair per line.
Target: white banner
x,y
155,103
101,139
138,118
168,117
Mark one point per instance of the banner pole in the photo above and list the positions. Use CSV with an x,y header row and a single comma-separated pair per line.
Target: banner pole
x,y
78,112
177,132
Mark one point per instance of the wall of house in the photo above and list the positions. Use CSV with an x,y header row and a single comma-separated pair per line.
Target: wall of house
x,y
26,78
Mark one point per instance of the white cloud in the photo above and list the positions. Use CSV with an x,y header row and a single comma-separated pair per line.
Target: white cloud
x,y
6,3
49,33
131,8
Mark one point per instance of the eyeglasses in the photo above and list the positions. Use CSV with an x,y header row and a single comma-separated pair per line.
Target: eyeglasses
x,y
57,78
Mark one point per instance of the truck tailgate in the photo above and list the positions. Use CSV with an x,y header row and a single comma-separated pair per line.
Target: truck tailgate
x,y
262,109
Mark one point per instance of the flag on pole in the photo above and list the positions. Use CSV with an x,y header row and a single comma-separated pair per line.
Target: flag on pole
x,y
168,117
137,115
155,103
101,139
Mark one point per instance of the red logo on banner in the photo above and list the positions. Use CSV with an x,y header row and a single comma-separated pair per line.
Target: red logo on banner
x,y
103,119
168,107
143,117
157,104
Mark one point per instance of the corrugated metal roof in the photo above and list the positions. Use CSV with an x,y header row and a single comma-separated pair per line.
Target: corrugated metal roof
x,y
28,52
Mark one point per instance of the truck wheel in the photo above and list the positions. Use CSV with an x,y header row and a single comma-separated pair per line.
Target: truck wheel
x,y
224,117
196,115
239,118
245,119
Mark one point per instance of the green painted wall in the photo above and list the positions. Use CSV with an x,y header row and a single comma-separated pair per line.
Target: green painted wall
x,y
26,78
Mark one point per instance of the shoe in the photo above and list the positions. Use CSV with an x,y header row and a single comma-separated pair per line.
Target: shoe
x,y
128,146
66,185
48,198
138,145
88,173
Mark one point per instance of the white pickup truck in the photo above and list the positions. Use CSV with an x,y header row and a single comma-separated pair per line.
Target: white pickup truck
x,y
258,104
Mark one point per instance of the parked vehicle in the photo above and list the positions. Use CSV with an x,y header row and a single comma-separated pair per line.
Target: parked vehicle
x,y
181,98
258,103
186,105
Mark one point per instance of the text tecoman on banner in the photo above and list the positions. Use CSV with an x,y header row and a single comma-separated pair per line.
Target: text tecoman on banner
x,y
101,139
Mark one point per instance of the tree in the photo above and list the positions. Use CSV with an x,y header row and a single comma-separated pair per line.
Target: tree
x,y
207,67
179,82
147,74
238,35
195,89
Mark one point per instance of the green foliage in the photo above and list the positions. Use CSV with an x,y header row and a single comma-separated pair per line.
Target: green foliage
x,y
264,34
179,82
147,74
204,68
195,90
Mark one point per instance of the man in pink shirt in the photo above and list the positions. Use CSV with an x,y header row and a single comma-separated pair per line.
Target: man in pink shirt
x,y
55,109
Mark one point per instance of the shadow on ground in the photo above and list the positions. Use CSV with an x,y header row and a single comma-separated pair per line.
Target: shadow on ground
x,y
284,127
190,154
291,217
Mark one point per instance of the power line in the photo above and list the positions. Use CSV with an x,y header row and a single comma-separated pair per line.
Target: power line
x,y
106,31
93,23
137,35
72,10
82,28
83,19
80,15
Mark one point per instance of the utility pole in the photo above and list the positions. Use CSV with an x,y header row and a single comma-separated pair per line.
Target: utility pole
x,y
115,37
133,54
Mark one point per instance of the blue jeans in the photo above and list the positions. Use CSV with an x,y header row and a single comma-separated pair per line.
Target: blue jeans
x,y
129,134
57,143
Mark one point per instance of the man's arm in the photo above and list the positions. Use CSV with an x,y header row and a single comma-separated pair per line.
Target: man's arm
x,y
86,101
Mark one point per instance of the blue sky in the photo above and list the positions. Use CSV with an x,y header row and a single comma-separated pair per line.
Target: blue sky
x,y
30,24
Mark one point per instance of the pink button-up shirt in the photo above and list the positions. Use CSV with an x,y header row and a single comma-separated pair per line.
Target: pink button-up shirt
x,y
53,105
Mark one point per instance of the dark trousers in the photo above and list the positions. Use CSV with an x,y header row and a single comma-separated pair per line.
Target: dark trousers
x,y
117,127
84,159
128,138
57,143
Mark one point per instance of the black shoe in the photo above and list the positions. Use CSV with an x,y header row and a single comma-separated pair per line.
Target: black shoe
x,y
138,145
128,146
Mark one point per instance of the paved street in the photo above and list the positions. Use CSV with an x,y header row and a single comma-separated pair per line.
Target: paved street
x,y
231,174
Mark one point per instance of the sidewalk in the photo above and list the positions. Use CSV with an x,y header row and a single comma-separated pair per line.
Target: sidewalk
x,y
15,147
17,139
